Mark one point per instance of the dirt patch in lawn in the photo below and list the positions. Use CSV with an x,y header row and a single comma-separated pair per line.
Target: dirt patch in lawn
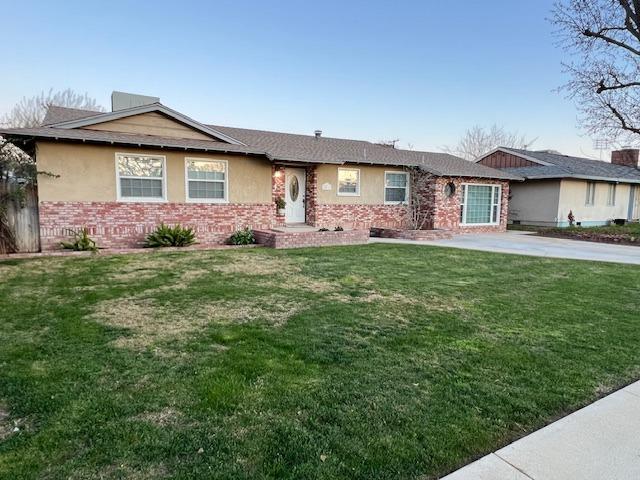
x,y
149,321
6,426
121,471
167,417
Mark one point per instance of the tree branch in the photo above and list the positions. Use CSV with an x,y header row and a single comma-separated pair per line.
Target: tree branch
x,y
599,34
621,119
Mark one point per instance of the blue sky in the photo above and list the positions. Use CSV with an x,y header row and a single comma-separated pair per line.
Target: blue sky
x,y
420,71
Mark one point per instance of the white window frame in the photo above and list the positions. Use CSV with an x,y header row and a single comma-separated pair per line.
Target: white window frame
x,y
463,204
348,194
206,200
590,199
406,188
119,196
611,195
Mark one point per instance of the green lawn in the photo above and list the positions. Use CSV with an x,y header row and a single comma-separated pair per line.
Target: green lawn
x,y
377,361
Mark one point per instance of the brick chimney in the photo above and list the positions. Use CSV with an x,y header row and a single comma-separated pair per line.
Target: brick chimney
x,y
627,156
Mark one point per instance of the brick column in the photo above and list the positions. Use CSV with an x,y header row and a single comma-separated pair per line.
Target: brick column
x,y
311,196
277,189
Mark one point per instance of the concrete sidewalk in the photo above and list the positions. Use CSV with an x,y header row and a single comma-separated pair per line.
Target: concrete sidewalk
x,y
524,243
598,442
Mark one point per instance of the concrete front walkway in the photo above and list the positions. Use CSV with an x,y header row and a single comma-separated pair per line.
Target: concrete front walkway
x,y
598,442
524,243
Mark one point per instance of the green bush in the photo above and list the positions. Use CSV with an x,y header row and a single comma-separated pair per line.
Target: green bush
x,y
323,229
81,242
165,236
338,229
242,237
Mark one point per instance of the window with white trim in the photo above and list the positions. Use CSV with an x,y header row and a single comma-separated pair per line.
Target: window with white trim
x,y
349,182
140,177
206,180
396,187
611,195
480,204
591,194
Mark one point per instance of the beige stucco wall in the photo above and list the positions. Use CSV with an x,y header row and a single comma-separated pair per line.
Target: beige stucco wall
x,y
535,202
371,185
87,173
152,123
573,194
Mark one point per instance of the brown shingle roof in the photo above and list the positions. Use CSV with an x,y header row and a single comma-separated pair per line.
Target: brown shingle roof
x,y
117,138
274,145
57,114
312,149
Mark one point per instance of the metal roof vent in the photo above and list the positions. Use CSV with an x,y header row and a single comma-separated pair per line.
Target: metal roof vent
x,y
122,100
318,133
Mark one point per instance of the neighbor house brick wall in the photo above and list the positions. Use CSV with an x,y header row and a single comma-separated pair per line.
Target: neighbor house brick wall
x,y
627,157
125,225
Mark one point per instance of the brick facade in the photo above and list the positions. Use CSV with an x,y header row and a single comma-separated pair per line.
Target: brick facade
x,y
277,190
125,225
310,239
444,212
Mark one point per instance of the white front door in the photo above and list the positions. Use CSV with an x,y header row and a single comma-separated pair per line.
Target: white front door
x,y
294,190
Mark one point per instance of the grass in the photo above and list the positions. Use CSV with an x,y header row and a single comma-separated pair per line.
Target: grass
x,y
377,361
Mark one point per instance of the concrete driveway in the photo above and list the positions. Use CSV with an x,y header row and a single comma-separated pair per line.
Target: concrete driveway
x,y
525,243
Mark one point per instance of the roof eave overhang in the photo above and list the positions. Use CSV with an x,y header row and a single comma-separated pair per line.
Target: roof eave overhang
x,y
27,138
583,177
153,107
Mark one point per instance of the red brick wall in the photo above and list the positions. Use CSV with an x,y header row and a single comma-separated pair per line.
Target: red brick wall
x,y
277,190
123,225
311,239
627,157
359,216
445,213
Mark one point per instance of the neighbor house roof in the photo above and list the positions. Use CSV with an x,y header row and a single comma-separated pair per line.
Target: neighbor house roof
x,y
556,165
66,124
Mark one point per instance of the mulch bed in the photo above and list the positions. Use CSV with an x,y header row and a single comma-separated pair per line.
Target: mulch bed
x,y
593,237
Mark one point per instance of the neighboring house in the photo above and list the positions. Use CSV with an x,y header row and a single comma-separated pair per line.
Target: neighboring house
x,y
595,191
123,172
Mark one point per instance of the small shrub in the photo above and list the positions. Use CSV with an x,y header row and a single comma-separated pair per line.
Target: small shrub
x,y
323,229
81,242
338,229
242,237
280,203
165,236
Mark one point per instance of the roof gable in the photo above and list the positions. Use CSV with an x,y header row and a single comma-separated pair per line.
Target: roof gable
x,y
101,118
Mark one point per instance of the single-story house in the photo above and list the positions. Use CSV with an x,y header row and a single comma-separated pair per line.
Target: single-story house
x,y
121,173
596,192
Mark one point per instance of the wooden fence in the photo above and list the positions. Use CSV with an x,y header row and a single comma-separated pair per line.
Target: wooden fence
x,y
22,218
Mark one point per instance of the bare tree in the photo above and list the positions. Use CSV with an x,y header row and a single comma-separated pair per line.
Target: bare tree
x,y
421,192
603,39
478,140
30,112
